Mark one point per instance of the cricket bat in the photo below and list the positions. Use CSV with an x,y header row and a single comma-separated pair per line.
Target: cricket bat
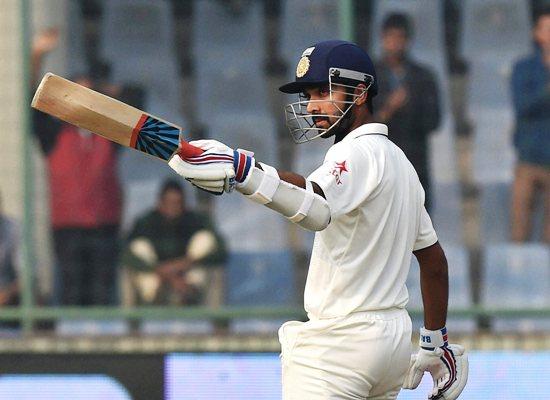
x,y
110,118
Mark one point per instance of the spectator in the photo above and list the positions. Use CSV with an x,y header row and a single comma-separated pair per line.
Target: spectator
x,y
530,83
408,100
85,199
9,282
168,252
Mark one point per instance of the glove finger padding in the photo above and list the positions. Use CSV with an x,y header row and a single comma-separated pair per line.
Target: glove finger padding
x,y
413,375
211,191
448,367
457,376
216,163
213,187
220,185
209,172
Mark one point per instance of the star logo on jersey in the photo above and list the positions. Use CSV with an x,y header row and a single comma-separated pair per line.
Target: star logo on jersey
x,y
338,170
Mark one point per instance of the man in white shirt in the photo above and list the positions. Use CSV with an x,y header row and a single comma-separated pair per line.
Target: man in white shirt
x,y
367,205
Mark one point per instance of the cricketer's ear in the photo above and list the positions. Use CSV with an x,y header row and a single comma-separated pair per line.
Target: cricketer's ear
x,y
361,93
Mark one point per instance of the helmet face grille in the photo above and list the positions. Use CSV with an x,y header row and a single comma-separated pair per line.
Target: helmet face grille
x,y
300,122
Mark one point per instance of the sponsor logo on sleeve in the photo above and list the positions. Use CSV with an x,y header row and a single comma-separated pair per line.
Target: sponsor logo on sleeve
x,y
338,170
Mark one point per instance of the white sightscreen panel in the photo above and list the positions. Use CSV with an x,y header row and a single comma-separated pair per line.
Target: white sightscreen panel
x,y
502,375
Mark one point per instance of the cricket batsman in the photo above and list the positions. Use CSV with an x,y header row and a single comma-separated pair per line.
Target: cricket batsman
x,y
366,204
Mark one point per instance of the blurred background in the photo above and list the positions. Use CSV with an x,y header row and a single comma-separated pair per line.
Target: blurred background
x,y
120,281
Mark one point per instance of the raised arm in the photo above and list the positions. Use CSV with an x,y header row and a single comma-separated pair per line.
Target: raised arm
x,y
221,169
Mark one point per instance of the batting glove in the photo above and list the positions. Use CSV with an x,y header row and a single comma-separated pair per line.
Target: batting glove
x,y
217,170
448,365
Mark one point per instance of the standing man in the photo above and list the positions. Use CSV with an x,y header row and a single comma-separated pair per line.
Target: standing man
x,y
530,82
367,205
408,101
85,198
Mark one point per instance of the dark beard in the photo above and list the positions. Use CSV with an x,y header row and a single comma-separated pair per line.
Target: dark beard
x,y
342,127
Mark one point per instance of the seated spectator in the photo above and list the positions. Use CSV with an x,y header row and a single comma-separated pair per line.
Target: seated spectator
x,y
9,282
530,83
170,253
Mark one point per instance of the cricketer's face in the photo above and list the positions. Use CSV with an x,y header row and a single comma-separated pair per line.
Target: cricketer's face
x,y
395,42
325,108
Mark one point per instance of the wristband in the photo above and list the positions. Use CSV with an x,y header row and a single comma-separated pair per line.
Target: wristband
x,y
429,340
242,163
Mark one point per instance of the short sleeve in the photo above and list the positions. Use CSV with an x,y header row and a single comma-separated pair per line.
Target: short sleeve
x,y
347,177
426,233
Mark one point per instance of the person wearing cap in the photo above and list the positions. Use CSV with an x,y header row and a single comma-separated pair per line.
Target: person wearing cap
x,y
366,204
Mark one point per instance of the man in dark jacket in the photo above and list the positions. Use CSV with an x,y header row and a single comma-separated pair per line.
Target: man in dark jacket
x,y
172,254
408,99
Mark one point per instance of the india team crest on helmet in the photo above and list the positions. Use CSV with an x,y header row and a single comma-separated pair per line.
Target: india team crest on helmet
x,y
302,67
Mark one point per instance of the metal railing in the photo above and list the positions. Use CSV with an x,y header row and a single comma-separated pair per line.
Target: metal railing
x,y
28,315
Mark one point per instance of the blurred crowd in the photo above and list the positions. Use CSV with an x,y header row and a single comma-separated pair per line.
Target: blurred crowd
x,y
174,254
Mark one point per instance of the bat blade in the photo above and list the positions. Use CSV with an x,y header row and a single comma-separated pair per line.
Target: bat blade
x,y
107,117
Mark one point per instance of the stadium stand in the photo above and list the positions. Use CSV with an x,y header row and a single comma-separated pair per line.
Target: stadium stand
x,y
304,23
495,33
517,276
259,279
145,55
228,50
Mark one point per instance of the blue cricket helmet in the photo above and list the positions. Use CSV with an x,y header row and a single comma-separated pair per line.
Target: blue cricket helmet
x,y
342,61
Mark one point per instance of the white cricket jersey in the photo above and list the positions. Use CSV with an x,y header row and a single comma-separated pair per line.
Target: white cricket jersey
x,y
361,260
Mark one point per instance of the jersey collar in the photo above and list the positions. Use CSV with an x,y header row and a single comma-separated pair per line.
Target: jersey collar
x,y
374,128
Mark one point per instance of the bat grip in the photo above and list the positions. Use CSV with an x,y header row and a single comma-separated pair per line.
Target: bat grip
x,y
188,150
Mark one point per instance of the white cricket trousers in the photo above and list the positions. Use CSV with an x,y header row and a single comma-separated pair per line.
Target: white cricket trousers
x,y
364,355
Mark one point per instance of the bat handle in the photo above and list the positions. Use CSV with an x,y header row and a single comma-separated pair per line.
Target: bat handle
x,y
188,150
